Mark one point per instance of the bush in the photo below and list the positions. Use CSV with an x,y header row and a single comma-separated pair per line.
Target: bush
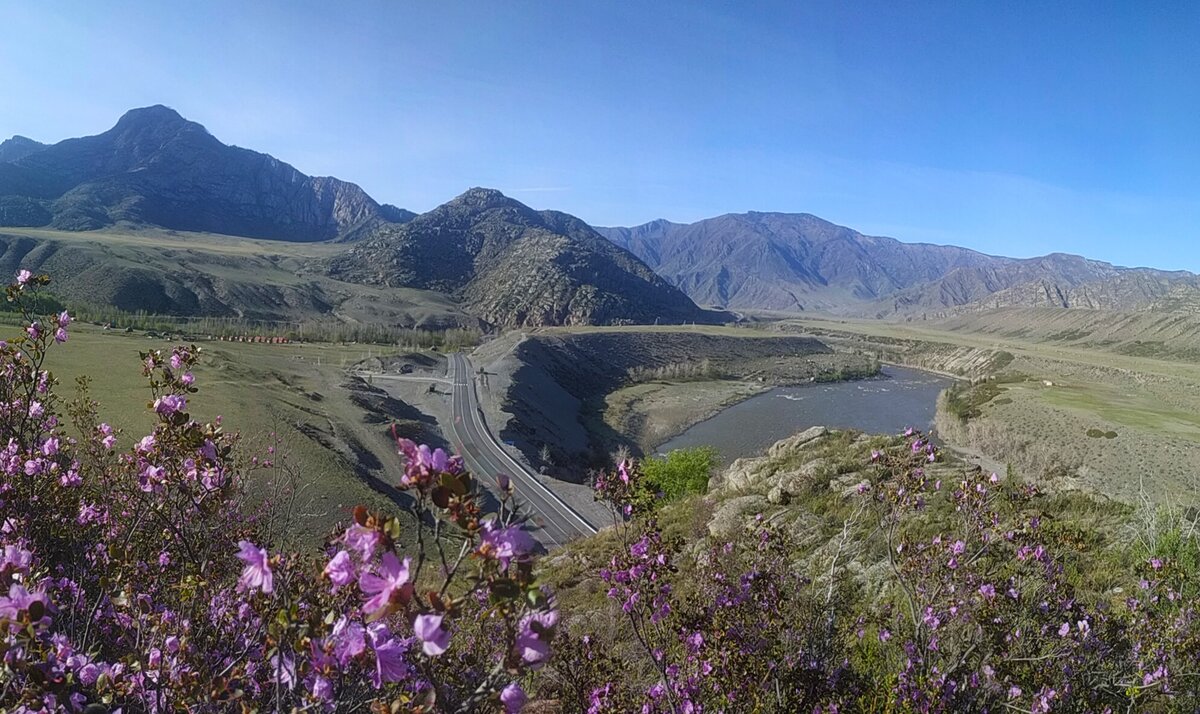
x,y
144,581
681,472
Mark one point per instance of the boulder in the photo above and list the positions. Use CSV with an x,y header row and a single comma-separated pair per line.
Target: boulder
x,y
778,496
741,474
730,517
785,446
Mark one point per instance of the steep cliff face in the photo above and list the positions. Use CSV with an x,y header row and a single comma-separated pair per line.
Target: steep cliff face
x,y
157,168
513,266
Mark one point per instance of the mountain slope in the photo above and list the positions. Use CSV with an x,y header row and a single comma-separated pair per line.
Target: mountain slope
x,y
18,147
156,168
511,265
798,262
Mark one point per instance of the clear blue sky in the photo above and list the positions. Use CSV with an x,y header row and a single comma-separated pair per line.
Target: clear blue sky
x,y
1016,128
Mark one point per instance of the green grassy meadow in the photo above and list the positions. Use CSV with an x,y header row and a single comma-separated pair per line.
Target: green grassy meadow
x,y
294,391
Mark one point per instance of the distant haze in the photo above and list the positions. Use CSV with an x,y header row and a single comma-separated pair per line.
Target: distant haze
x,y
1014,129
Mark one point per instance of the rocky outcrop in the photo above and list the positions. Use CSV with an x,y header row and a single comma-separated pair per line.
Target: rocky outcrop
x,y
157,168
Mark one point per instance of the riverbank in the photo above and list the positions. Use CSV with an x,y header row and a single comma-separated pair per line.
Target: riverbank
x,y
551,392
653,413
1060,410
888,404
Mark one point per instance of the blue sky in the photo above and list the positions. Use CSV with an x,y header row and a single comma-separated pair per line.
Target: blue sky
x,y
1017,128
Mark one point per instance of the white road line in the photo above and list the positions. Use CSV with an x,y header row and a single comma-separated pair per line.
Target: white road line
x,y
555,500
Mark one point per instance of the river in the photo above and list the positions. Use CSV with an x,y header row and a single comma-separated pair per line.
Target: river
x,y
899,398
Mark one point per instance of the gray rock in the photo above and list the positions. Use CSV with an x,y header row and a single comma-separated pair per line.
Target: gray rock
x,y
730,517
792,443
778,496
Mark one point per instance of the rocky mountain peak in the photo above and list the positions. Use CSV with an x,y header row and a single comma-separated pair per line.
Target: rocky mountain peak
x,y
156,115
18,147
482,199
155,167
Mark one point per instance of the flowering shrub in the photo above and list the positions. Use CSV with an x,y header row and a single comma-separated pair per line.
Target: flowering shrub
x,y
978,609
139,579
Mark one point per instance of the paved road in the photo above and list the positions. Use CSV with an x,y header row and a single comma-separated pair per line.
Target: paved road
x,y
402,378
557,522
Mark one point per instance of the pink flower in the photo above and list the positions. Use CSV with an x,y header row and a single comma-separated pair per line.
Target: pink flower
x,y
505,544
257,573
349,640
390,662
987,590
169,404
428,628
60,335
18,600
363,540
533,638
513,698
382,587
23,277
340,569
1064,630
64,319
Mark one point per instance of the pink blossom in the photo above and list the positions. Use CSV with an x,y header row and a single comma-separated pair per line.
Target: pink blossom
x,y
428,628
533,638
390,662
257,573
169,404
363,540
349,640
513,698
340,569
505,544
23,277
382,587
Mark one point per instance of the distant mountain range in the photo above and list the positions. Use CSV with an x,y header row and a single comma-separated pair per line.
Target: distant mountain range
x,y
501,261
798,262
484,254
156,168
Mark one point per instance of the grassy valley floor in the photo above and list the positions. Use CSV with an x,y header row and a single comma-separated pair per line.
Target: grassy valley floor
x,y
331,428
1119,425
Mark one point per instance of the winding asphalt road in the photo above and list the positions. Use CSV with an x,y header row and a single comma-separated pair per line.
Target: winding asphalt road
x,y
557,523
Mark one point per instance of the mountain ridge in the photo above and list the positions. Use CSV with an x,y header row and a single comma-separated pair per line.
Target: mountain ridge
x,y
153,167
798,262
512,265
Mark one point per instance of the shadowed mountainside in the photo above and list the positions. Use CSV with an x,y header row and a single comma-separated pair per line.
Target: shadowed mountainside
x,y
514,266
156,168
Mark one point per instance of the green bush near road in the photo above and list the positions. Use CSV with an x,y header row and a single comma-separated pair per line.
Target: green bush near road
x,y
681,472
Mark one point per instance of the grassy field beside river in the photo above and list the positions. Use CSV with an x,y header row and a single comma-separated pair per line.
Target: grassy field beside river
x,y
1087,416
